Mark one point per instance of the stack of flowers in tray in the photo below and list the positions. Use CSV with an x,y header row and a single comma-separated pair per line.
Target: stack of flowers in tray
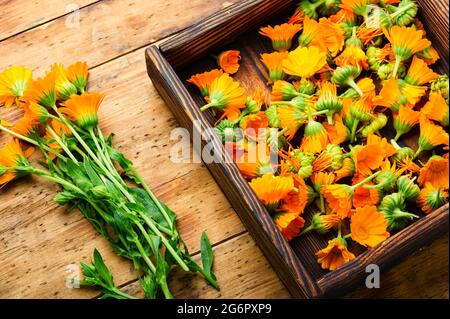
x,y
351,87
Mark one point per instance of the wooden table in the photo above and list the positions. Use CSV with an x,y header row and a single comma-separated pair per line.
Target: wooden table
x,y
39,239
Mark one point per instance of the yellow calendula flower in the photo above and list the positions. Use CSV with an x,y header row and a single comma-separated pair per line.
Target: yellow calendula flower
x,y
271,189
11,155
83,108
281,35
13,84
304,62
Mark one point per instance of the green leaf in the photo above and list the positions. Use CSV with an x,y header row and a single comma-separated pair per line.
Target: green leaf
x,y
93,176
206,253
149,286
102,270
118,157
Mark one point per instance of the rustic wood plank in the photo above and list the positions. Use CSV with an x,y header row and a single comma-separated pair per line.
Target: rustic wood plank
x,y
423,275
108,29
241,269
38,238
20,15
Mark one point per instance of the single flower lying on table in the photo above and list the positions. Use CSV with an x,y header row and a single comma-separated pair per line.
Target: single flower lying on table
x,y
60,119
360,67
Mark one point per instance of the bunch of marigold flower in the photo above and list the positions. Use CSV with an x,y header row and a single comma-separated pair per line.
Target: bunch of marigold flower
x,y
60,120
341,73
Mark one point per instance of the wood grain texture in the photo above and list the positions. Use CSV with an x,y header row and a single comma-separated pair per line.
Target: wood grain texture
x,y
19,15
296,265
108,29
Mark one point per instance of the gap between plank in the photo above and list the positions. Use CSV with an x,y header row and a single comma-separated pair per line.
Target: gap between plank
x,y
47,21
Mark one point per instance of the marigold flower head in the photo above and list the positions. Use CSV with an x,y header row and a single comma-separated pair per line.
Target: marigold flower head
x,y
337,132
42,91
367,158
431,198
227,95
322,223
339,198
283,91
334,255
364,196
368,226
318,179
315,137
419,73
431,135
281,35
11,155
271,189
367,35
297,17
274,63
204,80
291,119
252,160
435,172
347,169
64,87
345,76
333,37
297,199
405,41
289,223
328,100
390,95
436,109
429,55
13,84
353,55
405,120
358,7
229,61
304,62
78,74
255,126
30,120
311,31
412,93
407,188
83,108
376,56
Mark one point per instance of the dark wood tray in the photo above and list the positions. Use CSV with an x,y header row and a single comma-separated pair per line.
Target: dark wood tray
x,y
175,60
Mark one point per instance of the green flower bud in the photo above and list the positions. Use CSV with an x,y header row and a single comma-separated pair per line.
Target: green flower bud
x,y
405,13
393,207
64,197
311,194
386,181
441,85
310,9
101,192
227,131
306,87
251,105
385,71
407,188
272,116
337,156
402,154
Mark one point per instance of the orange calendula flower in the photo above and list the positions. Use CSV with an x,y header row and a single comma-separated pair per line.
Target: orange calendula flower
x,y
296,199
334,255
289,223
78,74
11,155
322,223
318,179
367,158
412,93
204,80
291,119
255,126
333,37
34,114
368,226
405,120
431,198
281,35
271,189
83,108
405,41
229,61
311,32
328,100
283,91
226,95
42,91
297,17
64,87
304,62
368,34
431,135
436,109
274,63
315,137
390,95
435,172
364,196
253,160
419,73
358,7
353,55
337,132
347,169
13,84
429,55
339,198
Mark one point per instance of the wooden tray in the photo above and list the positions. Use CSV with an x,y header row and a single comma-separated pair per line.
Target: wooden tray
x,y
175,60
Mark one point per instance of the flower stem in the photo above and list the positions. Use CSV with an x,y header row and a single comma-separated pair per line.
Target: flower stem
x,y
396,66
419,150
355,86
354,127
61,143
397,136
307,230
207,106
368,179
33,142
165,289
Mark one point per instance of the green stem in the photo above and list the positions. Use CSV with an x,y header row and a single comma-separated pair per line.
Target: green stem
x,y
353,133
348,236
165,289
308,229
368,179
144,255
355,86
419,150
147,238
61,143
396,66
123,295
340,230
398,213
33,142
322,203
207,106
395,144
397,136
401,10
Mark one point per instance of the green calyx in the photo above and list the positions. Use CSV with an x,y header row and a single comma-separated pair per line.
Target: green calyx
x,y
306,87
402,154
281,45
276,75
227,131
272,116
19,88
405,13
66,91
313,128
407,188
311,194
436,199
337,156
393,207
310,9
441,86
251,106
386,181
305,160
342,75
386,70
